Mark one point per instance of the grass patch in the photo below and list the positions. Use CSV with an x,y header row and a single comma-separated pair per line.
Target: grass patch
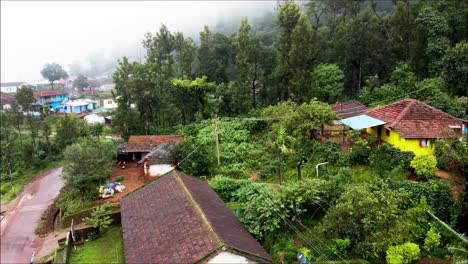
x,y
20,180
107,248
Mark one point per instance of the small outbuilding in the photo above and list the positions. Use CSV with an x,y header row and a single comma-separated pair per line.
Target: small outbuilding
x,y
139,146
94,119
180,219
158,162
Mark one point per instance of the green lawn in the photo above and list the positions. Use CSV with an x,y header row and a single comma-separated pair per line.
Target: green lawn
x,y
106,249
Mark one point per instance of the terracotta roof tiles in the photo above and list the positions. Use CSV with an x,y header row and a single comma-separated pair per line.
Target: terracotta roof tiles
x,y
349,109
44,93
147,143
415,119
180,219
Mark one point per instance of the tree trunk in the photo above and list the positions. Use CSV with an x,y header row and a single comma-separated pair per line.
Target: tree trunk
x,y
299,175
280,177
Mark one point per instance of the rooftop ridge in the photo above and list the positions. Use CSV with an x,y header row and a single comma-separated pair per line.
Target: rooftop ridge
x,y
403,113
220,243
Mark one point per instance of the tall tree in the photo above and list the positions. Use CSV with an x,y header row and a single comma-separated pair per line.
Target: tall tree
x,y
302,56
455,69
288,17
432,40
53,72
327,82
81,82
25,97
186,52
247,61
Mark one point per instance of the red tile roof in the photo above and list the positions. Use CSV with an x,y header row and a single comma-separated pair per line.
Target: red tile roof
x,y
349,109
415,119
180,219
149,142
44,93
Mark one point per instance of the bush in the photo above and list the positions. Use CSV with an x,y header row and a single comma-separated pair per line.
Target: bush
x,y
99,218
438,195
403,254
424,166
119,178
386,158
341,246
226,187
432,241
361,151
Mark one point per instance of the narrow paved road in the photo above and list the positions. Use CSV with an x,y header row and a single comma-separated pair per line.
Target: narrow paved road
x,y
18,240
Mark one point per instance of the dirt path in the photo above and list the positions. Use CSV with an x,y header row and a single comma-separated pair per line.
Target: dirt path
x,y
18,240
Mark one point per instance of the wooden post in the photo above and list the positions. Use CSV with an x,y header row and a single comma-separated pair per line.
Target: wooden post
x,y
217,140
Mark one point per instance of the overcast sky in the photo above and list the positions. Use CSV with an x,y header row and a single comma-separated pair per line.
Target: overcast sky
x,y
34,33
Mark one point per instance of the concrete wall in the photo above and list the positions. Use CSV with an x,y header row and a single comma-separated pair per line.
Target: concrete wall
x,y
228,257
403,144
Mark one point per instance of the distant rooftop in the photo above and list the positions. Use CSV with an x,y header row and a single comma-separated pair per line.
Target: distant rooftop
x,y
11,84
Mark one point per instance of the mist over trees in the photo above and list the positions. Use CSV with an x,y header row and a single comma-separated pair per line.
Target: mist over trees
x,y
329,50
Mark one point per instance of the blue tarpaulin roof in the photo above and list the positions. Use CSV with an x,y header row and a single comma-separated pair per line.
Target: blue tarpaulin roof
x,y
361,121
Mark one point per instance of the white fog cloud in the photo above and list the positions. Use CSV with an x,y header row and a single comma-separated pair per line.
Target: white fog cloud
x,y
36,32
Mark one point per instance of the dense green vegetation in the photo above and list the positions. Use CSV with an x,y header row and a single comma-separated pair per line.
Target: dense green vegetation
x,y
31,145
325,49
350,211
266,89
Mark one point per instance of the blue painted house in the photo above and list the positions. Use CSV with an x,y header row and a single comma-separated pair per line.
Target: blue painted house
x,y
76,106
51,98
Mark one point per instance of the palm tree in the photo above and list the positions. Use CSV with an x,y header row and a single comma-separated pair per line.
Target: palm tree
x,y
282,146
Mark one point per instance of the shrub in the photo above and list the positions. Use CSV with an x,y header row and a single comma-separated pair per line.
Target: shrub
x,y
424,166
99,218
403,254
226,187
341,246
432,240
387,158
438,195
119,178
360,152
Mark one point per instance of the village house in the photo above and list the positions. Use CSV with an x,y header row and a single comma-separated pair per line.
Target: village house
x,y
159,161
11,87
409,125
78,106
108,103
50,98
180,219
139,146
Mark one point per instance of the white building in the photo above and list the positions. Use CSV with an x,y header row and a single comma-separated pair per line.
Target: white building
x,y
94,119
11,87
108,103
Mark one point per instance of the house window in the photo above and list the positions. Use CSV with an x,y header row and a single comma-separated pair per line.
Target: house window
x,y
387,132
109,102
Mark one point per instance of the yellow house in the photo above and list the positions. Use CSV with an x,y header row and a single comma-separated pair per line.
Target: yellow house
x,y
412,125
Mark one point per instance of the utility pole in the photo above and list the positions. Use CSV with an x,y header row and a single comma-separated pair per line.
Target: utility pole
x,y
217,140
